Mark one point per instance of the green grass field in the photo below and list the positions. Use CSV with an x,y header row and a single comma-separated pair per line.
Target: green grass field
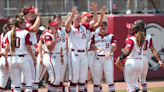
x,y
157,89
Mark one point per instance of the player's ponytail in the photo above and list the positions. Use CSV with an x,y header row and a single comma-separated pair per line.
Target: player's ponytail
x,y
24,8
13,33
7,27
140,36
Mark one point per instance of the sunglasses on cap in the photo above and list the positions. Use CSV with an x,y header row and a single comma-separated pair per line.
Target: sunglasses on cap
x,y
104,24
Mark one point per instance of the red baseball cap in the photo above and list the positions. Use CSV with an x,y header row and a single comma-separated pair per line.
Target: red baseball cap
x,y
86,14
54,22
29,9
129,25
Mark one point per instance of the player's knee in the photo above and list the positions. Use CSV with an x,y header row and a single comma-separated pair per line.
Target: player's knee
x,y
110,81
75,79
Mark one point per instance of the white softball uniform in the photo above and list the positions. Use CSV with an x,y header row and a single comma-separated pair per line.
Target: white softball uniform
x,y
78,63
64,52
51,59
100,62
34,41
133,64
41,69
90,53
20,62
4,73
142,77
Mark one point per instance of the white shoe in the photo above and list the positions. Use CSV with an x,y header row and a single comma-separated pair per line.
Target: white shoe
x,y
128,11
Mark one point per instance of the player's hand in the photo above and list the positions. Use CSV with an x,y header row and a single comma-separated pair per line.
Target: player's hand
x,y
55,35
118,61
36,12
103,10
94,6
161,64
35,62
41,61
6,65
62,61
107,55
100,48
74,10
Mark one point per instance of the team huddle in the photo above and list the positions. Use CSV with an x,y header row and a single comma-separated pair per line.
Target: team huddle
x,y
83,42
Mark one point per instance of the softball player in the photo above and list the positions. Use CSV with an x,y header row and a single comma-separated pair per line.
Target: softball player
x,y
104,44
148,44
77,43
133,54
19,41
4,74
87,17
28,13
51,59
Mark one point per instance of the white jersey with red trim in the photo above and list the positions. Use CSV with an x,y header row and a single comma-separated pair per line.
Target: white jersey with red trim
x,y
136,51
104,41
148,44
63,36
77,38
22,39
32,34
49,36
3,38
88,35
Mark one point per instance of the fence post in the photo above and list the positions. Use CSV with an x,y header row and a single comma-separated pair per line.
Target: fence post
x,y
111,3
89,7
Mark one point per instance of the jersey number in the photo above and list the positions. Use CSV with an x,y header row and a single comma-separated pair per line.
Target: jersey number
x,y
17,43
83,36
145,47
107,45
139,53
3,46
63,39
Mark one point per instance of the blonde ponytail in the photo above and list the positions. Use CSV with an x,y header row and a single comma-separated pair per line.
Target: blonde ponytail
x,y
140,38
13,39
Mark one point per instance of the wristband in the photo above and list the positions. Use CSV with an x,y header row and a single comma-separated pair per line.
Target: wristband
x,y
61,56
122,56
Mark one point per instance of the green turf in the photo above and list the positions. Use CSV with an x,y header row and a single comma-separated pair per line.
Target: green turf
x,y
157,89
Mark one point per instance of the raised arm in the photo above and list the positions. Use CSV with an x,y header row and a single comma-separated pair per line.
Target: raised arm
x,y
102,12
95,17
69,21
35,26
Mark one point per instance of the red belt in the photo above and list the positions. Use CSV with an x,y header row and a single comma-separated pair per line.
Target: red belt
x,y
101,55
78,50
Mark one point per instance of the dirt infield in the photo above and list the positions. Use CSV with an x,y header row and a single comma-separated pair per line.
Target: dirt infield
x,y
118,86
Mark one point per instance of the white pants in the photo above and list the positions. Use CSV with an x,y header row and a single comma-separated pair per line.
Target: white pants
x,y
91,56
4,73
132,70
53,65
21,65
64,66
142,77
102,64
78,66
40,70
34,70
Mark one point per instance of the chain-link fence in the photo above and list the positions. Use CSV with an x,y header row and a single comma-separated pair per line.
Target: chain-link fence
x,y
64,7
